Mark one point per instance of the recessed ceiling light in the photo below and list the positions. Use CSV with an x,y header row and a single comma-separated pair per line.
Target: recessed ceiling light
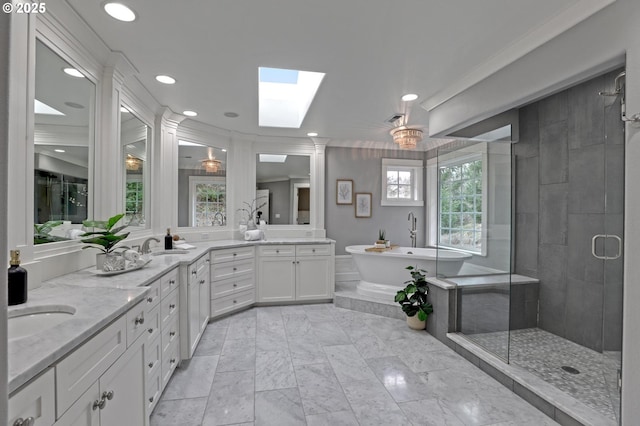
x,y
312,134
224,150
231,114
73,72
120,12
59,150
409,97
165,79
190,113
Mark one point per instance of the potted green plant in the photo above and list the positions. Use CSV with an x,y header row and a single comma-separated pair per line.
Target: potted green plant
x,y
105,239
413,299
41,233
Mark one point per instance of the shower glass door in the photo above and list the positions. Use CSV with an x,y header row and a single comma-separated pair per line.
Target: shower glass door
x,y
474,218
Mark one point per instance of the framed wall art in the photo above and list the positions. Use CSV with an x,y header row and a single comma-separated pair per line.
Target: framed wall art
x,y
344,191
363,204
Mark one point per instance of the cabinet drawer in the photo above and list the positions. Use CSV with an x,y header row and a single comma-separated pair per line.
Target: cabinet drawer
x,y
232,285
136,322
152,324
170,334
153,296
169,363
153,357
231,269
313,250
168,283
85,365
277,250
227,255
231,303
168,308
35,400
153,391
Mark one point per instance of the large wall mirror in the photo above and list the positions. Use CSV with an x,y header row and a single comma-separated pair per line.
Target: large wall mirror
x,y
283,185
133,137
202,184
63,136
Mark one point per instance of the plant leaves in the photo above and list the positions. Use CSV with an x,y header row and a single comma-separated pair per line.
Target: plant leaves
x,y
113,220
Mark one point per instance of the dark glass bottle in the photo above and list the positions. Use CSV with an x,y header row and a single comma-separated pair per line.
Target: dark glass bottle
x,y
168,240
17,281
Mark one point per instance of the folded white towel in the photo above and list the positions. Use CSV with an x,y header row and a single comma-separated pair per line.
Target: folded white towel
x,y
131,255
254,235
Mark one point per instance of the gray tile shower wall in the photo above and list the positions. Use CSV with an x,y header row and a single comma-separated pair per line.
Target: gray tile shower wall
x,y
569,187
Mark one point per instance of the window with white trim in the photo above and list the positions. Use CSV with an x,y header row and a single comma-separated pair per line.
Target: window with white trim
x,y
462,204
401,182
207,196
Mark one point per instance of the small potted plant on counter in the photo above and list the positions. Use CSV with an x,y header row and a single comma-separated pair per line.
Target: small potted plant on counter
x,y
105,240
382,241
413,299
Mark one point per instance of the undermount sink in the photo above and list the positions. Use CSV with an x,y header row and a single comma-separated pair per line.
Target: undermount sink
x,y
24,322
163,252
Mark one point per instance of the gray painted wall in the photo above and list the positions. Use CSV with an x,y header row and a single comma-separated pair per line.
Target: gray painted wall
x,y
570,155
278,201
364,167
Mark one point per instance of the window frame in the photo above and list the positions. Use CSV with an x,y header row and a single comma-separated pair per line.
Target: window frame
x,y
195,180
416,168
450,159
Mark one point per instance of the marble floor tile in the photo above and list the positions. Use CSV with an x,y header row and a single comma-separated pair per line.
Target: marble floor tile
x,y
340,418
274,370
402,383
371,346
306,350
297,324
231,399
318,313
320,390
329,333
211,342
372,404
238,355
430,361
218,324
281,407
184,412
242,328
271,338
194,381
429,412
348,364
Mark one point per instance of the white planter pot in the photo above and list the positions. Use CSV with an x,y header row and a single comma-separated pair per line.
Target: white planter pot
x,y
415,323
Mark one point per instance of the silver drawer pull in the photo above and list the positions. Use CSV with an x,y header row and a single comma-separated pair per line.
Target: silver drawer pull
x,y
172,361
313,250
150,299
235,269
172,333
235,254
235,301
98,404
29,421
151,399
139,320
235,285
277,251
172,306
150,331
172,282
108,395
150,365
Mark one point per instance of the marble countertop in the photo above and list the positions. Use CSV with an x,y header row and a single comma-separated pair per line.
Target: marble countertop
x,y
98,301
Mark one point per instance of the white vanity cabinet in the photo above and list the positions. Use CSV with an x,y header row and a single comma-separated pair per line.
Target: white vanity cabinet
x,y
34,404
289,272
232,279
102,382
195,305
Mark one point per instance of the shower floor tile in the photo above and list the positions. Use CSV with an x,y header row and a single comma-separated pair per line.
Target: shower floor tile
x,y
544,354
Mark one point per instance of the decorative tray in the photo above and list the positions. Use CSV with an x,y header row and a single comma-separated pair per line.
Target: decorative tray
x,y
110,273
381,249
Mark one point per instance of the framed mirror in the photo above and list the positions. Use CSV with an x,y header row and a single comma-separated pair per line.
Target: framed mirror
x,y
202,185
133,137
284,182
64,111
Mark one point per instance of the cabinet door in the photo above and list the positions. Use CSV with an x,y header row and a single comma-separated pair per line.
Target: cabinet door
x,y
205,286
35,401
276,279
82,412
124,383
194,314
313,277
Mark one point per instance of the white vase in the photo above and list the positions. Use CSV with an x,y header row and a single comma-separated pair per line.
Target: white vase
x,y
415,323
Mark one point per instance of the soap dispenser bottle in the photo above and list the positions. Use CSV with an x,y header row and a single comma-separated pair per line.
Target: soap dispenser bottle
x,y
168,240
17,281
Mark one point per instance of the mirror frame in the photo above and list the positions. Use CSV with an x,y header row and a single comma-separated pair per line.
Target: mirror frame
x,y
91,71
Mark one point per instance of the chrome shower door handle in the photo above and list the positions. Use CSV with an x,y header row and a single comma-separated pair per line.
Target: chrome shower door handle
x,y
593,246
605,257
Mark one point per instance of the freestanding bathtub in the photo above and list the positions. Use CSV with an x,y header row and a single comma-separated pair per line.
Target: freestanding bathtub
x,y
383,274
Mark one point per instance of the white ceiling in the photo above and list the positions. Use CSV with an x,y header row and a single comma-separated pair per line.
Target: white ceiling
x,y
372,52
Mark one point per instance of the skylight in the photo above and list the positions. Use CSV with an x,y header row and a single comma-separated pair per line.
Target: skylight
x,y
285,96
187,143
273,158
42,108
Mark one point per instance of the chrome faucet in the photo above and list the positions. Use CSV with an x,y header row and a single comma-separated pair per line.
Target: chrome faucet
x,y
412,230
221,220
145,246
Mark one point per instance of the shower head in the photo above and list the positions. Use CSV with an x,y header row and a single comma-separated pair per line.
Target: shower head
x,y
617,85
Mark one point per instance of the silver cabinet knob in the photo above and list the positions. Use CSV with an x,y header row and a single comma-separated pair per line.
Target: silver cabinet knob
x,y
150,331
151,399
98,403
171,306
172,361
235,285
150,299
150,365
139,320
29,421
313,250
235,301
108,395
172,333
